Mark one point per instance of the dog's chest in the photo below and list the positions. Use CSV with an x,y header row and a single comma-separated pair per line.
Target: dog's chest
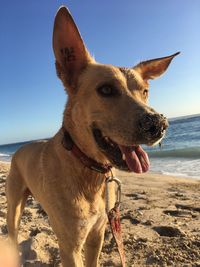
x,y
93,215
93,221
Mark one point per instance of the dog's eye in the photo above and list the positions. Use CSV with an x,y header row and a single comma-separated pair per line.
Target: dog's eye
x,y
107,90
145,92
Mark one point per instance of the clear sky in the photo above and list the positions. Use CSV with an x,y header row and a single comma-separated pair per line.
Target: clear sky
x,y
117,32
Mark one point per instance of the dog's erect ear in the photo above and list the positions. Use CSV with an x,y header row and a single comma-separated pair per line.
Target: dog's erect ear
x,y
152,69
70,52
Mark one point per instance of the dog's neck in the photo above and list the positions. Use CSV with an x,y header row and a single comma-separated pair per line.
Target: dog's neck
x,y
90,163
81,181
78,128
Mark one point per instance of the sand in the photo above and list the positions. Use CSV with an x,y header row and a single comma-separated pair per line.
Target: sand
x,y
160,217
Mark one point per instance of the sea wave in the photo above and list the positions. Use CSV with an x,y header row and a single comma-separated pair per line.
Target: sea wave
x,y
185,167
177,174
4,155
190,152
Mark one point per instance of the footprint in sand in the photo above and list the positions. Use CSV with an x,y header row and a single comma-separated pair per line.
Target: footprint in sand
x,y
183,211
188,207
178,213
128,215
178,194
169,231
137,196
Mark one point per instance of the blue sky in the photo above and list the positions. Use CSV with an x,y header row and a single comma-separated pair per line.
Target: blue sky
x,y
121,33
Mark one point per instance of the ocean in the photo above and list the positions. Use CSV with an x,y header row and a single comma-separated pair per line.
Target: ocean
x,y
178,155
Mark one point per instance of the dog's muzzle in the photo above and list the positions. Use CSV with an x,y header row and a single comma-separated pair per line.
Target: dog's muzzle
x,y
152,126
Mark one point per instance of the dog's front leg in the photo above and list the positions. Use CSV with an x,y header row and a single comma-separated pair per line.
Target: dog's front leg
x,y
94,244
71,237
70,257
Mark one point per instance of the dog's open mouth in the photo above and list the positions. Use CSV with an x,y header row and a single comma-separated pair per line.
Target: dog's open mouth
x,y
128,158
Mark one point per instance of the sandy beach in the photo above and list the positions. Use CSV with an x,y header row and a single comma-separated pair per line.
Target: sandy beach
x,y
160,218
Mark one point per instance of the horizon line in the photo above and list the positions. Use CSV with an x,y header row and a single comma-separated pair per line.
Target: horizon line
x,y
34,140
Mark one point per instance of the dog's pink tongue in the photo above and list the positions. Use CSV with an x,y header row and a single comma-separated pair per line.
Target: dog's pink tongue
x,y
136,158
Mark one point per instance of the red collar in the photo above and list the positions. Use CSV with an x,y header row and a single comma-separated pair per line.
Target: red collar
x,y
69,144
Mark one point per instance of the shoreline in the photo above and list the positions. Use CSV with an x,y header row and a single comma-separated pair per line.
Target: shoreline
x,y
5,162
148,173
175,175
160,220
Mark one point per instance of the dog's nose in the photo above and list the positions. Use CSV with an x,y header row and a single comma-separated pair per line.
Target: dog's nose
x,y
153,125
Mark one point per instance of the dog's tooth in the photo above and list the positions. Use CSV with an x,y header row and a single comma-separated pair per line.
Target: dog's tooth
x,y
123,156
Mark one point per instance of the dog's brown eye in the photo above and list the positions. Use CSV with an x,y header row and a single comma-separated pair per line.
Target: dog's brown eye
x,y
145,92
107,90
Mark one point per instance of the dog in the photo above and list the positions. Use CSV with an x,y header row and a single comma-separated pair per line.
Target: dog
x,y
105,121
8,254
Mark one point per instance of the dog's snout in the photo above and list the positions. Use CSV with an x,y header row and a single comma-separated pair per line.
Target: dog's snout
x,y
153,125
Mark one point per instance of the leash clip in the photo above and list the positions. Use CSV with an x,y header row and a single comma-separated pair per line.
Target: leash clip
x,y
110,179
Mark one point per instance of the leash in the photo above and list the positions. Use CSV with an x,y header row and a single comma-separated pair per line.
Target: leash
x,y
114,217
112,213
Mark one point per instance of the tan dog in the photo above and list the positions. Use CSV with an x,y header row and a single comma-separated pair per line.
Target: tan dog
x,y
9,257
107,118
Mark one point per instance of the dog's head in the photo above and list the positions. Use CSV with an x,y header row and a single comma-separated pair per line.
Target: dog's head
x,y
107,112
